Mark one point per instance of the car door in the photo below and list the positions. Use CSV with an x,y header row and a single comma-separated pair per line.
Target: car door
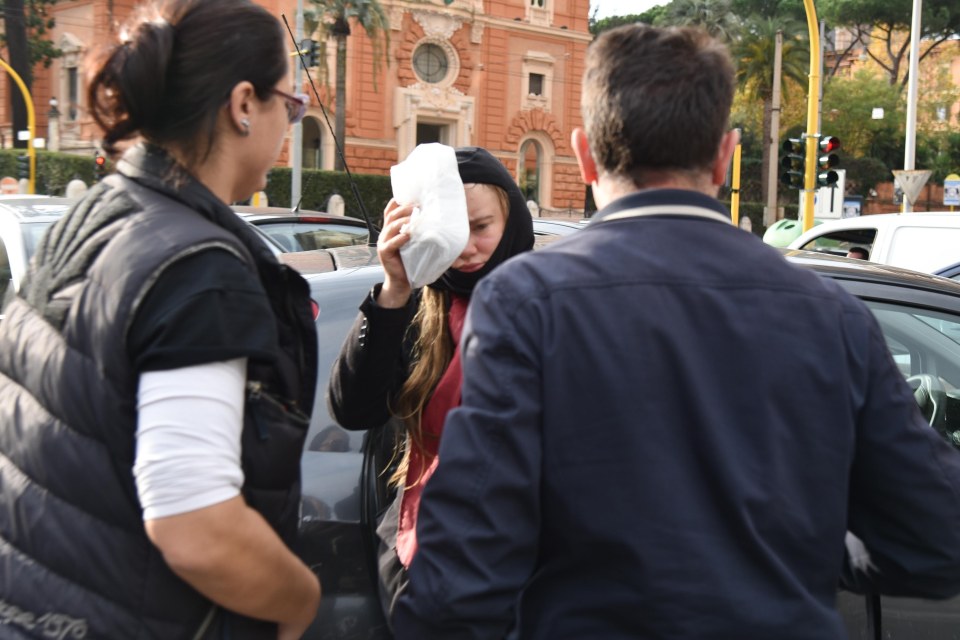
x,y
922,331
337,536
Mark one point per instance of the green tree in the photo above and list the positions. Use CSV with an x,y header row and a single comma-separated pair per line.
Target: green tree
x,y
887,24
868,142
34,17
714,16
26,29
333,17
755,53
782,9
650,16
939,152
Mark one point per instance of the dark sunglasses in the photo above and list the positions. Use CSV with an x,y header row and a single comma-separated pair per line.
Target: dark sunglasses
x,y
296,104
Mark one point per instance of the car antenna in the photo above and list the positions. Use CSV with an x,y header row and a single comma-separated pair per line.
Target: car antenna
x,y
296,209
372,231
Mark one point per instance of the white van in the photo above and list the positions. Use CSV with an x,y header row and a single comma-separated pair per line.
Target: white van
x,y
919,241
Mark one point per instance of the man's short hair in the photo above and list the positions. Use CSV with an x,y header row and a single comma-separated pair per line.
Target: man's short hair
x,y
655,99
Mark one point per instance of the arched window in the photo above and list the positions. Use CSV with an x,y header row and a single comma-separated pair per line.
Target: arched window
x,y
312,144
530,159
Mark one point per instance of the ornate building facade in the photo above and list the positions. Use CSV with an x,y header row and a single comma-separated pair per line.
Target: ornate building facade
x,y
502,74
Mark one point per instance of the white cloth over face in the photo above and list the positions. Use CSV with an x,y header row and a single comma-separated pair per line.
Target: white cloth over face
x,y
439,227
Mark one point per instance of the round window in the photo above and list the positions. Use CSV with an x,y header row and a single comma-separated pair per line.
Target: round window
x,y
430,63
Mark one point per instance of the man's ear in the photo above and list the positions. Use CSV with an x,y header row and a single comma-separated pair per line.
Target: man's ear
x,y
240,108
581,149
728,145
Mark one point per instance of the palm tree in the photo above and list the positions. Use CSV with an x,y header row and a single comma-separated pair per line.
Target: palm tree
x,y
754,54
333,18
712,15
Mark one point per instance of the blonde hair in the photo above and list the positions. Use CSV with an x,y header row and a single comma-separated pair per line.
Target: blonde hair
x,y
432,354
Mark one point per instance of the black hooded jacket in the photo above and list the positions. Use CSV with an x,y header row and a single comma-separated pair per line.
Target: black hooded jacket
x,y
375,359
76,558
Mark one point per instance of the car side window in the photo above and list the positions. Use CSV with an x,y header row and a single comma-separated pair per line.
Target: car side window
x,y
839,242
925,345
901,356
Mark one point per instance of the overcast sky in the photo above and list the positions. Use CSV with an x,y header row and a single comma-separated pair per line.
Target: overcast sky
x,y
622,7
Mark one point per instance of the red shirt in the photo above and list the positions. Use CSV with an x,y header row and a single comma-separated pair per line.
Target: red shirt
x,y
422,464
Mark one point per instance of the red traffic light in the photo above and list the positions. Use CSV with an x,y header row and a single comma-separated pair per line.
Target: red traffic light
x,y
100,161
829,144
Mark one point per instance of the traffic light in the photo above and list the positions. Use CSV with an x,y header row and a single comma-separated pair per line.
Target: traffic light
x,y
99,166
793,162
828,160
23,167
310,50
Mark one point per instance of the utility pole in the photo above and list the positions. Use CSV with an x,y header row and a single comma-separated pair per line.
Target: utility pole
x,y
910,155
296,136
770,214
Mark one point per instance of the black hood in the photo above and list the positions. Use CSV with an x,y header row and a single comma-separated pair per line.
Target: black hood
x,y
478,166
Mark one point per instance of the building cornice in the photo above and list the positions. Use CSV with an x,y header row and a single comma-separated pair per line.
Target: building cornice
x,y
471,16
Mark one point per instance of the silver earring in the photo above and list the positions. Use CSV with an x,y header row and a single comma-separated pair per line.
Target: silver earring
x,y
245,123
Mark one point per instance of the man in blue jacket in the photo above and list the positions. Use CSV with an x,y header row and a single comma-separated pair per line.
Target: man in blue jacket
x,y
666,429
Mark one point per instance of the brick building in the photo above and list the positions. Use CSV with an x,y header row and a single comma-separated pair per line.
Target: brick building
x,y
502,74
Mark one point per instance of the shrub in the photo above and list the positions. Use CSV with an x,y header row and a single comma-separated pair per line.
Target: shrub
x,y
317,186
54,169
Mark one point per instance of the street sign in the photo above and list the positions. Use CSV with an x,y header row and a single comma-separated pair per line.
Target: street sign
x,y
828,201
911,181
951,190
23,134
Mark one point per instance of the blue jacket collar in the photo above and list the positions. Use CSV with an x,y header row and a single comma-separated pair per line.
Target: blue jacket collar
x,y
661,197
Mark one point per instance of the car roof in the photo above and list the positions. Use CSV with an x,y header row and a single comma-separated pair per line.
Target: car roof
x,y
35,208
853,270
948,271
279,214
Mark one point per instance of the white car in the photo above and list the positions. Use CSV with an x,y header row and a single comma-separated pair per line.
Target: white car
x,y
23,220
919,241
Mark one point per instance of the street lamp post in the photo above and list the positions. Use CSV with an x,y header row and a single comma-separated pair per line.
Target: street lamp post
x,y
296,136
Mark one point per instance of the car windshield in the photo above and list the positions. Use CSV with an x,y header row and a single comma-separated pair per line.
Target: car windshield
x,y
308,236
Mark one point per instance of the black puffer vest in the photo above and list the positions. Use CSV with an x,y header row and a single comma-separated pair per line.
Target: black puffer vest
x,y
75,561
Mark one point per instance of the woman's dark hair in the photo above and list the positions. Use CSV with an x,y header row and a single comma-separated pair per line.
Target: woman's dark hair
x,y
174,69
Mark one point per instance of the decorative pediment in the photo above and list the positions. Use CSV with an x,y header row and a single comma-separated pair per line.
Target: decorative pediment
x,y
437,25
70,43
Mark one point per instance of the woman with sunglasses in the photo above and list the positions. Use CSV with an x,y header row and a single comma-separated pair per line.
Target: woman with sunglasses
x,y
158,364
